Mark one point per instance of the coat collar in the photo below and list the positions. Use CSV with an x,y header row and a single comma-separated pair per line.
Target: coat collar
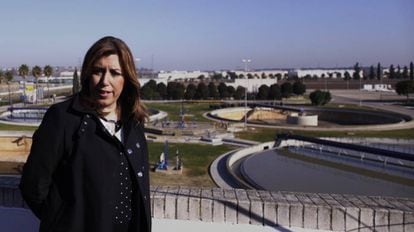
x,y
79,107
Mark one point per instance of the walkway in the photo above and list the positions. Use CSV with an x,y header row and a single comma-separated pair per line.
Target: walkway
x,y
22,220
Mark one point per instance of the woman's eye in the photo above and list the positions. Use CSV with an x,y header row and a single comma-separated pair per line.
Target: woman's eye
x,y
115,72
97,71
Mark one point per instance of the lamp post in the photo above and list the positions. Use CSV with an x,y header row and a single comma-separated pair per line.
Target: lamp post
x,y
137,60
246,61
360,91
10,99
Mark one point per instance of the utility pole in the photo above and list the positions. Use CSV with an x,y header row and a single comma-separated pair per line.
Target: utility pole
x,y
246,61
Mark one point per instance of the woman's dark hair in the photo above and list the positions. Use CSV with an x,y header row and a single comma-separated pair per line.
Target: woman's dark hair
x,y
129,100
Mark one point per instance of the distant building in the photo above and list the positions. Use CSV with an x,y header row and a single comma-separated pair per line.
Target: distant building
x,y
272,74
321,73
181,75
252,84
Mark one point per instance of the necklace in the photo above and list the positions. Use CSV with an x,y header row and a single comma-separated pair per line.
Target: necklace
x,y
117,124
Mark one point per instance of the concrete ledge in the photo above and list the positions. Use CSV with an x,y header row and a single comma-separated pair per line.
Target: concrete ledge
x,y
238,206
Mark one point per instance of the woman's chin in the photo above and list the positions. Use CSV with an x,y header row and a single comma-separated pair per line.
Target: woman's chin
x,y
105,105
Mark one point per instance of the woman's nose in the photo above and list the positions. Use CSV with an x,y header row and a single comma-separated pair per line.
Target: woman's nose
x,y
106,75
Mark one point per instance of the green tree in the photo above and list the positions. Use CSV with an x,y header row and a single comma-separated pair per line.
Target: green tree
x,y
170,89
222,89
263,93
405,72
201,77
9,77
36,72
175,90
190,91
411,71
212,91
319,97
1,76
240,92
152,84
232,75
398,73
347,76
231,91
178,93
379,71
391,74
286,89
76,85
298,88
23,72
371,72
202,91
274,92
217,76
405,88
278,76
338,75
357,71
48,71
162,90
149,90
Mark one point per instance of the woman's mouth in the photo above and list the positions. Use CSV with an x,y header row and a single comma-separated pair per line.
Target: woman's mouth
x,y
104,93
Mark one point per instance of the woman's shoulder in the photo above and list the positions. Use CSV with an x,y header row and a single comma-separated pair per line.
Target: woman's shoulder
x,y
62,111
60,108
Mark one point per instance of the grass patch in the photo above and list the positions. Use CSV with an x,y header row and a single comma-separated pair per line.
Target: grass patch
x,y
7,127
173,110
196,160
268,134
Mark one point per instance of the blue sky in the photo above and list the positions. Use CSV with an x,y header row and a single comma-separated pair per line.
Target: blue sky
x,y
212,34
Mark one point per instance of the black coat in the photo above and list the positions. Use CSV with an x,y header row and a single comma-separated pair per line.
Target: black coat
x,y
69,179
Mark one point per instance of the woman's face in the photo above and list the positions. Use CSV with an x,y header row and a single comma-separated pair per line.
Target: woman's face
x,y
106,83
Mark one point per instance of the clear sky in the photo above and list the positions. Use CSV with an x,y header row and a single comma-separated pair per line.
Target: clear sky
x,y
211,34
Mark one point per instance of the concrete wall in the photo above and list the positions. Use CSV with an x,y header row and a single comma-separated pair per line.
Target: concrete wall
x,y
302,120
15,149
307,210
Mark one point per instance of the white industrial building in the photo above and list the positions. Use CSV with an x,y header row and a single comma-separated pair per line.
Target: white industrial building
x,y
251,84
181,75
327,73
258,74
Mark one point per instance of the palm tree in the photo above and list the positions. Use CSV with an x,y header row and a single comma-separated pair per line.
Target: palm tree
x,y
23,72
48,71
1,76
36,72
9,76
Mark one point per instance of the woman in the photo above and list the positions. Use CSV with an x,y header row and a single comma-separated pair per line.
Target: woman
x,y
88,166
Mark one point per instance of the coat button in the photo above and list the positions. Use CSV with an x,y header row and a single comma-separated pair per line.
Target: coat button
x,y
85,123
129,151
88,116
137,145
139,174
145,198
121,153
